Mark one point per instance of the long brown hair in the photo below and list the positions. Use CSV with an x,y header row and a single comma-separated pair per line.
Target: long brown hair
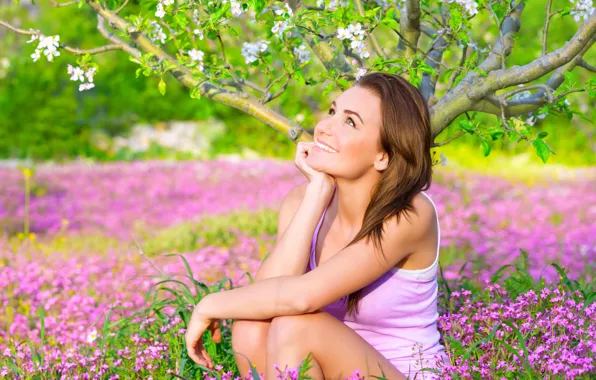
x,y
406,137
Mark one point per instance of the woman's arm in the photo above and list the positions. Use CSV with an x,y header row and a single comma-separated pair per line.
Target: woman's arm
x,y
299,214
345,272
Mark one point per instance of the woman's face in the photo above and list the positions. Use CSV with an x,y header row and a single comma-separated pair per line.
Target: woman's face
x,y
351,129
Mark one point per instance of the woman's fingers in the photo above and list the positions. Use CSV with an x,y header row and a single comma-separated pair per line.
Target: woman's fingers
x,y
216,333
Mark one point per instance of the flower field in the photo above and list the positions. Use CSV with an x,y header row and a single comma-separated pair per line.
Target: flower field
x,y
99,266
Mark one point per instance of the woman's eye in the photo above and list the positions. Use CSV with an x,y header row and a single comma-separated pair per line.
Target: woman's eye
x,y
330,110
352,121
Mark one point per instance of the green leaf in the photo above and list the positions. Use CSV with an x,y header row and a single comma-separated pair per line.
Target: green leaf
x,y
42,330
391,23
542,135
162,87
485,148
542,149
466,125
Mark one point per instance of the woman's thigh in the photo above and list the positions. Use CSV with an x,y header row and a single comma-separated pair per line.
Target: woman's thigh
x,y
338,349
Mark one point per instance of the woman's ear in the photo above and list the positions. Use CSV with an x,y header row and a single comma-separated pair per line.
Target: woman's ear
x,y
382,161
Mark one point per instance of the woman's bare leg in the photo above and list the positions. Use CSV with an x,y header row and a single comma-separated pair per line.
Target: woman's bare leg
x,y
336,349
249,338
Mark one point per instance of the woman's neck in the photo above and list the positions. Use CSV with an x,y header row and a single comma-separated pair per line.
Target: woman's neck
x,y
350,202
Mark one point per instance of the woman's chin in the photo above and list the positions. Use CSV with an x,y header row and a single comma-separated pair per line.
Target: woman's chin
x,y
316,164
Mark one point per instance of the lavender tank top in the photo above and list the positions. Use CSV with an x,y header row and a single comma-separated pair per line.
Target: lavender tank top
x,y
397,313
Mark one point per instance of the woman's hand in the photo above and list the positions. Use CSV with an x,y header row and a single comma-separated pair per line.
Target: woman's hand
x,y
194,344
303,149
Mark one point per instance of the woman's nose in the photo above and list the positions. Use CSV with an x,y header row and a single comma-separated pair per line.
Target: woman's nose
x,y
325,127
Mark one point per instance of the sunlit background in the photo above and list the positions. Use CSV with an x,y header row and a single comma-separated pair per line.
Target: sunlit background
x,y
105,192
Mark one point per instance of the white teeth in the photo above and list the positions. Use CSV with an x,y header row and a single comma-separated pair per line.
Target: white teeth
x,y
324,147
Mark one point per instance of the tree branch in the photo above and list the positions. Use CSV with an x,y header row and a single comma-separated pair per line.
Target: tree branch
x,y
241,101
586,66
373,40
546,25
472,96
502,48
434,58
121,7
409,28
70,49
324,50
57,4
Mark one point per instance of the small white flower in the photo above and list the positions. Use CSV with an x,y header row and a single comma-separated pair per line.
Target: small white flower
x,y
237,9
51,53
93,334
360,73
196,55
250,50
302,53
582,9
344,33
332,5
198,33
279,27
356,30
36,55
443,159
160,13
86,86
321,3
167,2
34,38
90,73
77,74
49,42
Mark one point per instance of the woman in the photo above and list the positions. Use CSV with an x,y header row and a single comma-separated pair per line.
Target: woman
x,y
353,276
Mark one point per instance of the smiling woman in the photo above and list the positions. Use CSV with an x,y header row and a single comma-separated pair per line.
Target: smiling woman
x,y
353,276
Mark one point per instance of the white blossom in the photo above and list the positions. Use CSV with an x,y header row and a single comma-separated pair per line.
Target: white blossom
x,y
50,53
332,5
443,159
279,27
582,9
321,3
34,38
344,33
92,335
86,86
302,53
160,13
280,11
49,42
36,55
355,35
90,73
360,73
198,33
236,7
157,33
470,6
167,2
250,50
77,74
197,56
356,30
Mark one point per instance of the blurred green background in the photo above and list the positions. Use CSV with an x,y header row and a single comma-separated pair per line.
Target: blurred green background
x,y
43,116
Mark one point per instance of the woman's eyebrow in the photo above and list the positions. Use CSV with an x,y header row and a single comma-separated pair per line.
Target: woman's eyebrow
x,y
349,112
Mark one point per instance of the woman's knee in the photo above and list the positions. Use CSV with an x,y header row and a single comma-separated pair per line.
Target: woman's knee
x,y
287,328
249,335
